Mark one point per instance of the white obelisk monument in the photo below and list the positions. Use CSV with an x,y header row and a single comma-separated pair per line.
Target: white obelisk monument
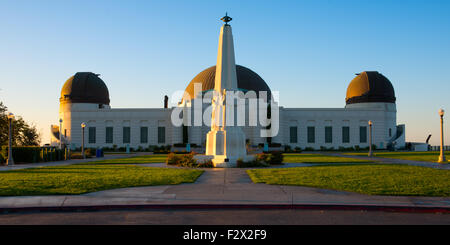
x,y
226,143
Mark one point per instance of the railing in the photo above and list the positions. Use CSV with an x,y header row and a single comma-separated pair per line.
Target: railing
x,y
438,148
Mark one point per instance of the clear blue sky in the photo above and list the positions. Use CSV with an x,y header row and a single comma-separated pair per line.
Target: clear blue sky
x,y
307,50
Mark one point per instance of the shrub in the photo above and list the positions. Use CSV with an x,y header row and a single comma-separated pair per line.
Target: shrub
x,y
341,148
89,152
76,155
276,158
187,160
79,155
297,149
261,145
207,164
273,158
173,159
263,157
250,164
107,149
287,148
309,149
161,149
2,160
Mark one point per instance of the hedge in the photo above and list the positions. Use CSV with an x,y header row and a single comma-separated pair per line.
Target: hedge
x,y
33,154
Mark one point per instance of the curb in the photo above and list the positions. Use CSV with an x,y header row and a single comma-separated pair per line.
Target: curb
x,y
406,209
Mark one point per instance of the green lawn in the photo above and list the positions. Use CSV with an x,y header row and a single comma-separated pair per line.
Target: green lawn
x,y
318,158
373,179
156,158
427,156
84,178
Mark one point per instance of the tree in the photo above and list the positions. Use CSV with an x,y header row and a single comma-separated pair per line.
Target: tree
x,y
24,134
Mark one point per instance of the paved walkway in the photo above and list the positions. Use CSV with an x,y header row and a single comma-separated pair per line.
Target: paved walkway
x,y
392,160
219,187
62,163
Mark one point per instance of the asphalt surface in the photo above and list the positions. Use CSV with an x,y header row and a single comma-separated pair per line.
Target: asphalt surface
x,y
226,217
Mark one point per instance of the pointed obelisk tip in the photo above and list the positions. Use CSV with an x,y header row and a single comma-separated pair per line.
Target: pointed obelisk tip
x,y
226,19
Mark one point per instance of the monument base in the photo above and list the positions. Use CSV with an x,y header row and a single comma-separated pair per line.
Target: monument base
x,y
221,161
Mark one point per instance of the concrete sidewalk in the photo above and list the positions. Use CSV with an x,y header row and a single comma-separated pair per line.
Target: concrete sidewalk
x,y
65,162
392,160
218,187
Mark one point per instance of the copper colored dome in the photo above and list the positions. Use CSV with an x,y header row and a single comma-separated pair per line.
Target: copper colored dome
x,y
370,86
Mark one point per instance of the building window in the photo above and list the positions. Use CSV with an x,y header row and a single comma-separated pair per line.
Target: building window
x,y
363,134
328,135
161,135
185,135
293,134
311,134
144,134
126,135
345,134
390,132
109,135
91,135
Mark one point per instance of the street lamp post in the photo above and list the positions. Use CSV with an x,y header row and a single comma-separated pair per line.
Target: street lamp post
x,y
10,160
83,125
60,134
370,139
442,156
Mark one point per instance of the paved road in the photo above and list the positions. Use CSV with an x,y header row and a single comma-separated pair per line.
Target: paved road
x,y
226,217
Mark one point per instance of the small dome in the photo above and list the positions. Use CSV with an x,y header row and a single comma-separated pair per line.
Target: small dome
x,y
247,80
370,86
85,87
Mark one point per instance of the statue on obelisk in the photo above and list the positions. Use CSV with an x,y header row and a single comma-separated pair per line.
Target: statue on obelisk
x,y
226,143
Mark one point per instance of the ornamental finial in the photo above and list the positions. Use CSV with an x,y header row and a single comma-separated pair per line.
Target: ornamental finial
x,y
226,18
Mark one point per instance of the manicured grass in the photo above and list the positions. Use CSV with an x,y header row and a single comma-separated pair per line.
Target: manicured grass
x,y
156,158
318,158
84,178
427,156
373,179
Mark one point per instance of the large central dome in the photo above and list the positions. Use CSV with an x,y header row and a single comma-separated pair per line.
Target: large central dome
x,y
247,80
